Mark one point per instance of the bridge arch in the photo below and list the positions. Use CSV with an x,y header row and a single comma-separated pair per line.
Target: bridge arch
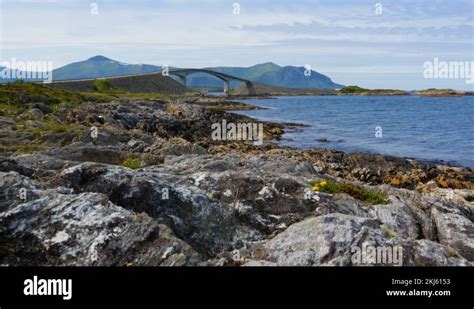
x,y
226,78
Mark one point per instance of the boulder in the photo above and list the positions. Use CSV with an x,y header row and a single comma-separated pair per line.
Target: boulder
x,y
325,240
86,229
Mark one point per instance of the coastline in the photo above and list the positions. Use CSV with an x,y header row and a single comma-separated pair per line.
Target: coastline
x,y
290,125
145,175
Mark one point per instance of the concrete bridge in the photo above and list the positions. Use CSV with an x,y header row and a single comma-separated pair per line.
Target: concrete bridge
x,y
180,73
226,78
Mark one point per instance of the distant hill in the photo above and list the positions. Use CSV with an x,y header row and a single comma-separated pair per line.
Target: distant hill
x,y
100,66
97,67
262,89
153,83
267,73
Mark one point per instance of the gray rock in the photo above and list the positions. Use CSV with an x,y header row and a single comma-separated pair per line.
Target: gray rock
x,y
428,253
9,164
325,240
83,230
207,225
16,189
454,230
397,218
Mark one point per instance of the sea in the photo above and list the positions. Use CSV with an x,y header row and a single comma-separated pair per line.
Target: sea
x,y
437,129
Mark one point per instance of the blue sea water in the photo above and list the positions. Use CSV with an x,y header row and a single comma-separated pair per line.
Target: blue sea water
x,y
425,128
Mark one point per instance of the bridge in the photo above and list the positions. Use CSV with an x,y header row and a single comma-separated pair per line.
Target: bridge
x,y
226,78
180,73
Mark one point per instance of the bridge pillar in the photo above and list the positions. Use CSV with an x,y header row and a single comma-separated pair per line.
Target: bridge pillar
x,y
250,88
226,87
182,79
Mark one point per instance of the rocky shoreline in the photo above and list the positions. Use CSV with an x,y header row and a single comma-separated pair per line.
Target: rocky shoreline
x,y
135,182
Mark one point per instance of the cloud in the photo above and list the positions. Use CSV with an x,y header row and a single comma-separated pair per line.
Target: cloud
x,y
334,34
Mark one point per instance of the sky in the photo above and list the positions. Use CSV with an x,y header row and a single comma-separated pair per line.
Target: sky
x,y
373,44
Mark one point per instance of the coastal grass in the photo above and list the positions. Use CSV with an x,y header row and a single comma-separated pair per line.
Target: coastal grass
x,y
10,110
356,90
15,96
29,148
7,146
102,85
451,252
134,162
106,91
440,92
388,232
48,124
362,194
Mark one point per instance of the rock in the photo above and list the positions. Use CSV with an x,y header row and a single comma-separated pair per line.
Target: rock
x,y
7,165
342,203
420,208
325,240
259,263
43,164
305,167
185,199
60,228
175,147
205,224
16,189
30,114
428,253
42,107
397,218
136,145
454,230
88,153
4,121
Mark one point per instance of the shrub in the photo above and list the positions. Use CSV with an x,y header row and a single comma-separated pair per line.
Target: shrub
x,y
133,162
389,232
102,85
368,197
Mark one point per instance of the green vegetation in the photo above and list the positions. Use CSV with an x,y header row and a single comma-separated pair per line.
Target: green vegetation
x,y
11,110
356,90
133,162
14,96
366,196
352,90
451,252
48,124
102,85
389,232
100,66
28,148
440,92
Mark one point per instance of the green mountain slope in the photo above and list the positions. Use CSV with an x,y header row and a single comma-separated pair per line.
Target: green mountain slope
x,y
100,66
267,73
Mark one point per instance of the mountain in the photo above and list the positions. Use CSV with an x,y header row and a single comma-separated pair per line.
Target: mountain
x,y
267,73
100,66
